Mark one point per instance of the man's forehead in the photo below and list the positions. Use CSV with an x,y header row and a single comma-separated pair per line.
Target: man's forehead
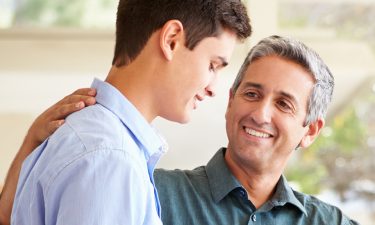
x,y
275,67
293,85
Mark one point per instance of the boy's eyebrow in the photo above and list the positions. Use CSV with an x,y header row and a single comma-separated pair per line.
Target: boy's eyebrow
x,y
224,61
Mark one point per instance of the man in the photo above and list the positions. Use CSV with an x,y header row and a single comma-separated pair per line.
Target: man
x,y
97,168
277,104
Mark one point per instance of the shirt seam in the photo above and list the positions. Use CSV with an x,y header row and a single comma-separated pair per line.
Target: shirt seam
x,y
78,157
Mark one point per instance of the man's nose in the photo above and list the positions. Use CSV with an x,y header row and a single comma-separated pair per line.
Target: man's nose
x,y
262,113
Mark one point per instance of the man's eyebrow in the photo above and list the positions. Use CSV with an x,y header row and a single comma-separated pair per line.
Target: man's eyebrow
x,y
259,86
289,96
251,84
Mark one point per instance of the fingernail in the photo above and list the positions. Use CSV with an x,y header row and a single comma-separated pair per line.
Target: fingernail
x,y
92,92
79,105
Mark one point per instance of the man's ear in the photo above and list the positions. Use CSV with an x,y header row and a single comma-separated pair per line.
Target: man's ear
x,y
313,131
171,37
231,95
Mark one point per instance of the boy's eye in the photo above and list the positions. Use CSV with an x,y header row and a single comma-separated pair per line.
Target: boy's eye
x,y
211,67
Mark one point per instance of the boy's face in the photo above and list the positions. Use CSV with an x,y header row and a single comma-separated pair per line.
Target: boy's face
x,y
194,75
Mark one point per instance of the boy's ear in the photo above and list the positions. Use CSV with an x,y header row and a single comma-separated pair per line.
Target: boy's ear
x,y
171,37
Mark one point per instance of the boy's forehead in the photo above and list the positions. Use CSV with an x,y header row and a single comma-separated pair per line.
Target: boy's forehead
x,y
219,48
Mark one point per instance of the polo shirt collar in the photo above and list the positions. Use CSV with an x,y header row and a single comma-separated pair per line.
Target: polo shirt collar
x,y
284,194
221,180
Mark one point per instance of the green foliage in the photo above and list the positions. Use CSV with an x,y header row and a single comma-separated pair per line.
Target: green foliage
x,y
62,13
30,10
308,176
345,133
350,20
340,139
56,13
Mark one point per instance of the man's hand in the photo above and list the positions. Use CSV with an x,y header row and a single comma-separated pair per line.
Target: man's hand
x,y
51,119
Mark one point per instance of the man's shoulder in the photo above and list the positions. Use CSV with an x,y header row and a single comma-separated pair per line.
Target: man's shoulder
x,y
182,181
180,176
311,202
317,208
183,194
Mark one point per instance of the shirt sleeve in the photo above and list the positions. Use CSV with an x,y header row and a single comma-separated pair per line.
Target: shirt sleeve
x,y
101,187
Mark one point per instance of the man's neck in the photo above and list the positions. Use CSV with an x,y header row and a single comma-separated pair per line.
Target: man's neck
x,y
259,188
260,185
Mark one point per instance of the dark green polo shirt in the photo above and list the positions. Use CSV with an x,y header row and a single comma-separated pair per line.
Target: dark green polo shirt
x,y
212,195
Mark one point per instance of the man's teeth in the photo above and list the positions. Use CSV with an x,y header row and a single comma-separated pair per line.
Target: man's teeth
x,y
256,133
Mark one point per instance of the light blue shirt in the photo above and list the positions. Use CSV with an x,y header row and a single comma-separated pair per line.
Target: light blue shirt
x,y
96,169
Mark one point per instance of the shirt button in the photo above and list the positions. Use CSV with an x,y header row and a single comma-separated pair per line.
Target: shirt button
x,y
254,218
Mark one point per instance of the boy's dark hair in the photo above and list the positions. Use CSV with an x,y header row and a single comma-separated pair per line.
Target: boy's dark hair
x,y
137,20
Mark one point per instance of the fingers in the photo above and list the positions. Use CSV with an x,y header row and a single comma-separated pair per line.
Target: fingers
x,y
74,99
53,125
85,95
69,104
85,91
89,101
51,119
64,110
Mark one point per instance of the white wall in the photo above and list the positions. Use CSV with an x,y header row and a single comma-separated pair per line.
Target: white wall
x,y
37,69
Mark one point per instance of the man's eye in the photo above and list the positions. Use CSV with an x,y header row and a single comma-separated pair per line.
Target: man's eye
x,y
284,106
251,94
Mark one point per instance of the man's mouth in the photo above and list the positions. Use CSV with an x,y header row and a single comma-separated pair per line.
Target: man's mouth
x,y
257,133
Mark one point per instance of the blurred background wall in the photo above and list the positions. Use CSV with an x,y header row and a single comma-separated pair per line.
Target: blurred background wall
x,y
50,48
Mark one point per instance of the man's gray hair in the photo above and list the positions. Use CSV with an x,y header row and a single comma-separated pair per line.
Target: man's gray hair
x,y
299,53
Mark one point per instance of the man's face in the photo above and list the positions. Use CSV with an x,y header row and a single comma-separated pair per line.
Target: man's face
x,y
265,117
194,73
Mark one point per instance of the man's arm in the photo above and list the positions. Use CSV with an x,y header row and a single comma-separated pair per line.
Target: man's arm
x,y
43,126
